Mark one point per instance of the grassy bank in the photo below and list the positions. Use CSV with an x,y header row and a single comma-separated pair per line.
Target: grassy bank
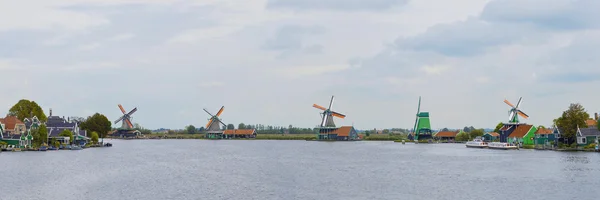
x,y
381,137
286,137
384,137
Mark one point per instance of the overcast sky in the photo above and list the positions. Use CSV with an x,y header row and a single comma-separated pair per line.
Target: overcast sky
x,y
268,61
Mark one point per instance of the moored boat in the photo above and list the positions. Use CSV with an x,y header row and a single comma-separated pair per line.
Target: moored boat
x,y
76,147
477,143
501,145
43,148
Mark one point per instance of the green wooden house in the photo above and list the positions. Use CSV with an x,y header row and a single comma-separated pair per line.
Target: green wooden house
x,y
523,135
586,136
544,136
491,136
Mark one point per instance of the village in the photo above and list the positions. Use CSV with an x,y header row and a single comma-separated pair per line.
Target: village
x,y
65,133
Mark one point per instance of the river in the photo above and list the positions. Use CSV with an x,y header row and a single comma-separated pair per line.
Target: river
x,y
261,170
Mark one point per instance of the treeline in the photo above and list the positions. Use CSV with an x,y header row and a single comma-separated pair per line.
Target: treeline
x,y
260,129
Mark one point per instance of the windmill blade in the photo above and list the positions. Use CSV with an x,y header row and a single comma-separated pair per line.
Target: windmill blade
x,y
511,116
132,111
220,111
120,119
209,122
419,107
319,107
324,119
522,114
129,123
507,102
122,109
222,123
519,103
331,102
338,115
208,112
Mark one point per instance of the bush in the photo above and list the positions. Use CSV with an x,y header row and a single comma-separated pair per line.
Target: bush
x,y
528,146
574,145
590,146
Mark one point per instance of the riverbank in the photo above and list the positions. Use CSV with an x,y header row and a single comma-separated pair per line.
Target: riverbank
x,y
386,137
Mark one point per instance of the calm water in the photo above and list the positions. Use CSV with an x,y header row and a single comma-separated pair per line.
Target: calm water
x,y
200,169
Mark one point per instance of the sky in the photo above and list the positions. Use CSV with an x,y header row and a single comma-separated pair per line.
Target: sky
x,y
268,61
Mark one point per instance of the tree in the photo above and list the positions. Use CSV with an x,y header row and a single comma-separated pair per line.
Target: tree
x,y
386,131
201,129
445,129
37,140
241,126
572,118
462,136
25,109
230,126
67,133
541,127
598,124
94,137
97,123
475,133
42,134
191,129
498,127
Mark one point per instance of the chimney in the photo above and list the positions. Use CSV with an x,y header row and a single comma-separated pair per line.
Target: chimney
x,y
596,116
50,112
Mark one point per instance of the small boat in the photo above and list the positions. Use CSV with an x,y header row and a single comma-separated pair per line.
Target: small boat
x,y
75,147
477,143
16,149
108,145
43,148
501,145
51,148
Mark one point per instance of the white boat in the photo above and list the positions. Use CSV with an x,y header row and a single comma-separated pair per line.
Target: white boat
x,y
476,143
501,145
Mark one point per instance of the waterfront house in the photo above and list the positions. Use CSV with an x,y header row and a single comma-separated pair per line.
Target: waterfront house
x,y
56,125
522,134
490,136
341,133
586,136
13,126
239,133
544,136
124,133
33,122
449,136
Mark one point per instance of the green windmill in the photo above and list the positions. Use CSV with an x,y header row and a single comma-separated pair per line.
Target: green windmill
x,y
422,128
515,112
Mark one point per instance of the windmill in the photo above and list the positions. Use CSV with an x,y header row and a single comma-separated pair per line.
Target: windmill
x,y
214,123
422,127
328,114
514,112
126,118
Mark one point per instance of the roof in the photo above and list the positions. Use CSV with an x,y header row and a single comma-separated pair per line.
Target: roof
x,y
239,132
10,122
520,131
58,122
506,127
544,131
344,131
493,134
446,134
591,123
589,131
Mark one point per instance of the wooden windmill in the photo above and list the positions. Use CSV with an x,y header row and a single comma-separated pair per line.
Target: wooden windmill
x,y
515,112
126,118
328,114
214,123
422,127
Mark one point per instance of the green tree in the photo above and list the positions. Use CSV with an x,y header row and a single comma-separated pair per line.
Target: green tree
x,y
230,126
97,123
191,129
241,126
541,127
476,132
462,136
598,124
37,140
25,109
67,133
445,129
386,131
43,133
572,118
94,137
498,127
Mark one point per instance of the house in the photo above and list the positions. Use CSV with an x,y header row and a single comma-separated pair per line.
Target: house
x,y
544,136
56,125
591,123
491,136
124,133
523,134
446,135
13,126
239,133
341,133
33,122
586,136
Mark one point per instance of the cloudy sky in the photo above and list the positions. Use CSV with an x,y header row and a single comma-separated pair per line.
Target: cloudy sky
x,y
268,61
